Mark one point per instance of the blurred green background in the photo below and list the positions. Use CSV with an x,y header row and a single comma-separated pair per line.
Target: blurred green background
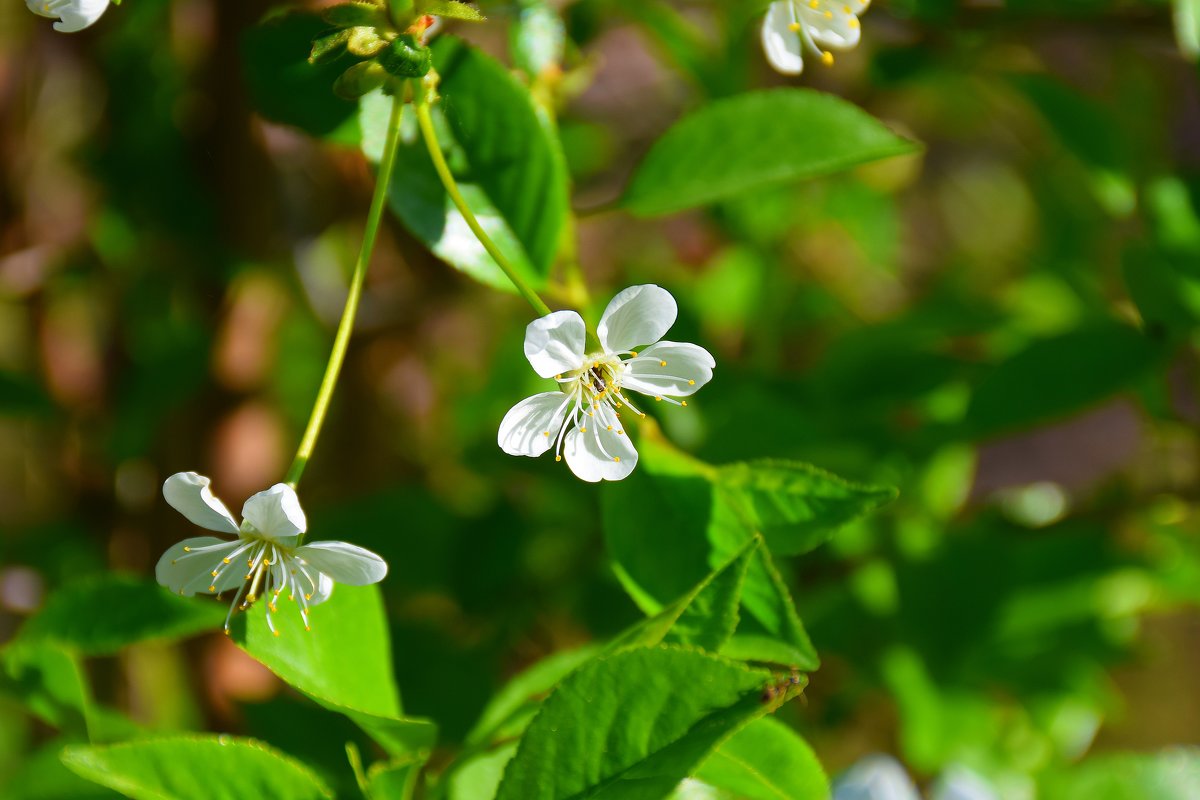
x,y
1003,326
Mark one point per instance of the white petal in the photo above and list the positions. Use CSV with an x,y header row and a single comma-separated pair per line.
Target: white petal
x,y
532,425
323,591
188,493
636,316
830,25
687,367
276,513
554,343
75,15
189,573
781,44
875,777
603,452
345,563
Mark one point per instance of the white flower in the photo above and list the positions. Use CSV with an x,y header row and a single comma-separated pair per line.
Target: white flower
x,y
268,537
73,15
583,421
819,25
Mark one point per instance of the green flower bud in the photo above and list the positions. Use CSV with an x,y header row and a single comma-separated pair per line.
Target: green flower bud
x,y
405,58
360,79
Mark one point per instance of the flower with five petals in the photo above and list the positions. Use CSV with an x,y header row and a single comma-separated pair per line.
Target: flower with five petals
x,y
267,542
72,15
584,420
820,26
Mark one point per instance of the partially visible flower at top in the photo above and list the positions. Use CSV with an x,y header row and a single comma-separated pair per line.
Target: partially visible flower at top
x,y
72,15
820,26
273,522
583,421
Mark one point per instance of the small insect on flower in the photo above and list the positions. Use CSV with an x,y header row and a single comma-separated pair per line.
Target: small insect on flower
x,y
265,560
781,686
820,26
585,421
72,15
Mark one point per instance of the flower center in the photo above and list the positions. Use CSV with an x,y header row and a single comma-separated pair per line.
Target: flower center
x,y
600,376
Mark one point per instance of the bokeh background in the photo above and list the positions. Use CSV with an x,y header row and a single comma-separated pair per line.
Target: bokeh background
x,y
1003,326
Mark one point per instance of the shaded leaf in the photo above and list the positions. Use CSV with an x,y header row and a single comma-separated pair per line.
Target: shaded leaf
x,y
103,615
766,760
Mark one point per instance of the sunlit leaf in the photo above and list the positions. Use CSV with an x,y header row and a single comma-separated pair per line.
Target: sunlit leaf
x,y
633,724
195,768
752,141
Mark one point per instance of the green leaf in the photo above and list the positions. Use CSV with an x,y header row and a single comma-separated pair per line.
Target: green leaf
x,y
766,760
452,9
103,615
509,710
1054,377
347,15
480,776
417,197
49,681
284,85
795,506
753,141
633,724
705,617
1170,775
344,663
512,151
394,780
705,515
195,768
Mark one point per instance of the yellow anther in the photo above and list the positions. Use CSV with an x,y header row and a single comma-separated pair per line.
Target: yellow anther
x,y
617,459
643,414
852,22
272,607
212,588
828,15
815,4
187,549
547,433
250,598
794,27
558,377
610,427
591,414
308,597
658,399
633,353
213,573
620,433
583,430
662,363
827,58
276,633
683,403
173,562
225,560
558,458
847,9
691,383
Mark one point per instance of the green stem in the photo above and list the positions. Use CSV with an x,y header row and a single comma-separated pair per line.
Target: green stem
x,y
425,120
346,326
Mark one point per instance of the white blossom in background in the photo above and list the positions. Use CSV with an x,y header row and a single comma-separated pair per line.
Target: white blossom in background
x,y
875,777
818,26
584,421
266,543
72,15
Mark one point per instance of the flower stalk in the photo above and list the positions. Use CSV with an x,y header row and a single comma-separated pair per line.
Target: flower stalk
x,y
429,134
346,327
